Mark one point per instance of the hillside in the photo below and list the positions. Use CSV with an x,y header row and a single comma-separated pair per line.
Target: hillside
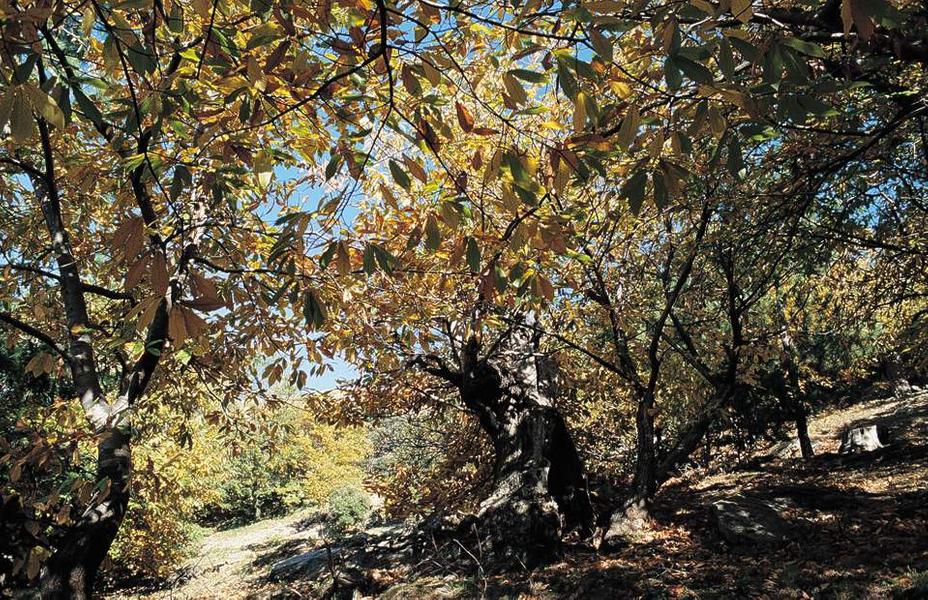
x,y
842,526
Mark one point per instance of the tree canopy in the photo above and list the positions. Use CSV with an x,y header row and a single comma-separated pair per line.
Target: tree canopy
x,y
519,218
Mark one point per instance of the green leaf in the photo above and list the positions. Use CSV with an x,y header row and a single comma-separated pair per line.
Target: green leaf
x,y
567,80
628,130
672,74
261,6
747,50
87,107
45,106
773,64
132,4
385,260
807,48
660,189
735,160
726,59
602,44
694,70
370,263
182,178
22,72
332,167
399,175
473,255
176,19
141,59
813,104
432,234
530,76
634,190
313,310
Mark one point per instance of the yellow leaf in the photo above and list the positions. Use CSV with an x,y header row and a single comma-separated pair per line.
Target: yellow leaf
x,y
741,9
255,74
580,112
629,129
88,18
22,125
620,88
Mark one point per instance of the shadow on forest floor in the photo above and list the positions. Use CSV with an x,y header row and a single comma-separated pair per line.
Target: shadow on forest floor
x,y
859,529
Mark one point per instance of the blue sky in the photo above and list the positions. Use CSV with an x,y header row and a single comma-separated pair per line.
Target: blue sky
x,y
329,380
308,198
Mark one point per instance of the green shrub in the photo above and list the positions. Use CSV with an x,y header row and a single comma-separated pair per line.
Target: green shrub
x,y
348,508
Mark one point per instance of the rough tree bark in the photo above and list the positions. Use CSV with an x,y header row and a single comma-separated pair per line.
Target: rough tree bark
x,y
539,489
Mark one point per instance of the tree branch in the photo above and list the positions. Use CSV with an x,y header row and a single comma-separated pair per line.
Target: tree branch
x,y
36,333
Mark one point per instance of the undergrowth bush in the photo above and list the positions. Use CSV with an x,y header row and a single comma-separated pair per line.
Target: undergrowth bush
x,y
348,508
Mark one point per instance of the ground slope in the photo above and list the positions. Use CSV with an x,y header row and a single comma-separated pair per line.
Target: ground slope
x,y
857,528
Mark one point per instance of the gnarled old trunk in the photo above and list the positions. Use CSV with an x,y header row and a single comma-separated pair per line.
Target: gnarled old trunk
x,y
72,569
539,486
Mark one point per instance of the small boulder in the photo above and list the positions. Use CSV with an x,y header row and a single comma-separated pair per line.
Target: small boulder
x,y
743,521
860,439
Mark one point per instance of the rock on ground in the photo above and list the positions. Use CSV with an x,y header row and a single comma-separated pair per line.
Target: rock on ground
x,y
745,521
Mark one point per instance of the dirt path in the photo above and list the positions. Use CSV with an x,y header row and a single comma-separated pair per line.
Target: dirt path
x,y
232,563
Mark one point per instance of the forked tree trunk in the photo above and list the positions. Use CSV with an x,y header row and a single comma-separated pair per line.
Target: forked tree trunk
x,y
72,569
652,471
633,515
539,486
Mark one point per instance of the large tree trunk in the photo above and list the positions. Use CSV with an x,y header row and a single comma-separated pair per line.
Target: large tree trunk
x,y
72,569
539,486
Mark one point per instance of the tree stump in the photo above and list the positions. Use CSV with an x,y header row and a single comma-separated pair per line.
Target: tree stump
x,y
860,439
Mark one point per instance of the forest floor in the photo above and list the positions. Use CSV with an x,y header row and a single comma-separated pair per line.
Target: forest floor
x,y
859,529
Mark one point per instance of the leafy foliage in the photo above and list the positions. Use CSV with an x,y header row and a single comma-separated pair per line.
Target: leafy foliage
x,y
694,199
